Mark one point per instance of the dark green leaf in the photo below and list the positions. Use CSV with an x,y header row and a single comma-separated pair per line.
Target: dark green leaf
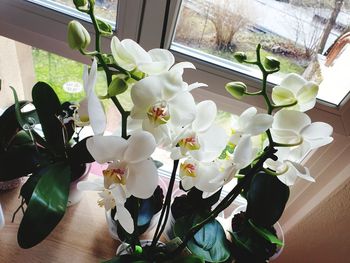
x,y
49,108
47,205
266,234
267,197
79,154
208,243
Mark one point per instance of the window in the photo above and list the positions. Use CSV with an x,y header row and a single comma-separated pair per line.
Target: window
x,y
297,32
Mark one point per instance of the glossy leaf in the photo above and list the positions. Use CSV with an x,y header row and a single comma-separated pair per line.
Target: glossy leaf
x,y
79,154
266,234
126,259
47,205
186,259
49,108
267,197
208,243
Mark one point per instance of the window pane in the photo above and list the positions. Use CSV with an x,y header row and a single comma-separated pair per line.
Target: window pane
x,y
105,9
290,30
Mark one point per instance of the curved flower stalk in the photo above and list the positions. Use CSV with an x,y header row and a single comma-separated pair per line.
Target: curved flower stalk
x,y
90,110
203,140
163,101
295,88
131,56
131,172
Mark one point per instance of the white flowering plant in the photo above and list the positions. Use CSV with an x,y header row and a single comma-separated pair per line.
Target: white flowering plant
x,y
205,156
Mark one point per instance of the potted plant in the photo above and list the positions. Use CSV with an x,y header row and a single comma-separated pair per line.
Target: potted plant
x,y
205,156
52,160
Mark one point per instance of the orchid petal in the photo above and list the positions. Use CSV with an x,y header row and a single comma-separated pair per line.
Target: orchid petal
x,y
196,85
289,177
258,124
125,219
179,67
106,148
96,112
205,115
307,93
118,193
243,154
141,145
121,55
187,182
205,175
182,109
161,133
146,92
142,179
136,51
301,171
162,60
293,82
285,136
290,120
317,130
282,96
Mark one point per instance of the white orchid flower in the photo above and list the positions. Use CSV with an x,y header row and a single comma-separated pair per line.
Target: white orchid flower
x,y
244,127
202,139
294,127
111,195
2,218
161,101
90,110
295,88
288,171
207,177
130,55
131,157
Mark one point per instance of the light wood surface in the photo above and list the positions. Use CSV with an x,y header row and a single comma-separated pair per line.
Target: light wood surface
x,y
81,236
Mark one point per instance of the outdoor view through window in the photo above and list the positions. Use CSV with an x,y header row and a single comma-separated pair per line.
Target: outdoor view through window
x,y
106,9
294,31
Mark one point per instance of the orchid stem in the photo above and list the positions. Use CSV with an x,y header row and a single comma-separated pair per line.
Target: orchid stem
x,y
166,206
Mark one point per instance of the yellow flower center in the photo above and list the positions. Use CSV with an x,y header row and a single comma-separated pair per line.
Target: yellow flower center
x,y
189,143
114,176
158,113
188,169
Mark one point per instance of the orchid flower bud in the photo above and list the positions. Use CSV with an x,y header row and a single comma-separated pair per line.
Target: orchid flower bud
x,y
80,4
236,89
240,56
117,86
78,36
271,63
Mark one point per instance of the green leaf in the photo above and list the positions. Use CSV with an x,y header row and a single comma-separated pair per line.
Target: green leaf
x,y
267,197
47,205
79,154
49,108
209,243
266,234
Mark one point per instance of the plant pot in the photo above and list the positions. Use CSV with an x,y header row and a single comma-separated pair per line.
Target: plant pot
x,y
113,226
75,195
226,223
11,184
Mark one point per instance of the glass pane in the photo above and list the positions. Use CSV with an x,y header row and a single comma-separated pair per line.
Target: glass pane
x,y
105,9
294,31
